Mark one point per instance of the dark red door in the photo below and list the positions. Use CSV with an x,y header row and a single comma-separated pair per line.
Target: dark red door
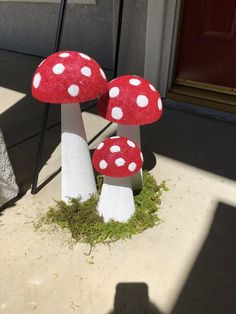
x,y
208,42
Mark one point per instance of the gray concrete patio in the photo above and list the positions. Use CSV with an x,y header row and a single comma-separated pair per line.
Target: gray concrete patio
x,y
184,265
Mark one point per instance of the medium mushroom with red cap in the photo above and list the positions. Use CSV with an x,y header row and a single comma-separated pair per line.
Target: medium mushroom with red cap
x,y
68,78
131,101
117,158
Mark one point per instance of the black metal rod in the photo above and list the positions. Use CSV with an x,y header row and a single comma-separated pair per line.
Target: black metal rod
x,y
60,25
47,106
118,37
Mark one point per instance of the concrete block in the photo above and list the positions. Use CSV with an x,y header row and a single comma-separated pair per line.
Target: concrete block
x,y
8,186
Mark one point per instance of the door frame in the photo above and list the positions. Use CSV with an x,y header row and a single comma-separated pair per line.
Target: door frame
x,y
163,19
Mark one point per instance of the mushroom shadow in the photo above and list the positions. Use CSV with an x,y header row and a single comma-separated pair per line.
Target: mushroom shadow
x,y
149,158
133,298
204,143
211,285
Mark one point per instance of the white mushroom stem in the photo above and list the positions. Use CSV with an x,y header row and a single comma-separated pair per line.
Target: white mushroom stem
x,y
132,132
116,200
77,177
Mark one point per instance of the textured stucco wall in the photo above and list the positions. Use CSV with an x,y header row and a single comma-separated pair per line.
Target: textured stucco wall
x,y
31,28
133,39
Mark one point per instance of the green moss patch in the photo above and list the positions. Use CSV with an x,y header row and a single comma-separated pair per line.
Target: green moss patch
x,y
85,224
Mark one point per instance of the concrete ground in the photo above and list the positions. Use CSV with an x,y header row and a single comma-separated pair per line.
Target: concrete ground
x,y
184,265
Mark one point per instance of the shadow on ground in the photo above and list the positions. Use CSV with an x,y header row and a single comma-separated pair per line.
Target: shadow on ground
x,y
201,142
211,285
133,298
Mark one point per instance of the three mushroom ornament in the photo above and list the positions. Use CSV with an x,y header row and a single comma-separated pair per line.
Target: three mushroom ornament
x,y
68,78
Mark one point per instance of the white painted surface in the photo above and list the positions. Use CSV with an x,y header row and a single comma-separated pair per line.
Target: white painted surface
x,y
116,200
77,178
132,132
8,186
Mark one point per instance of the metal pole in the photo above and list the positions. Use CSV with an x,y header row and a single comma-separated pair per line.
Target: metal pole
x,y
60,24
47,106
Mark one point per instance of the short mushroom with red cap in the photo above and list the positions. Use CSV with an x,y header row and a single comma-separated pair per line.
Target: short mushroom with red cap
x,y
69,78
117,158
131,101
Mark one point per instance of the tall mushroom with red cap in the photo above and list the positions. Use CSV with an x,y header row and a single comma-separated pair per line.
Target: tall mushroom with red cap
x,y
68,78
131,101
117,158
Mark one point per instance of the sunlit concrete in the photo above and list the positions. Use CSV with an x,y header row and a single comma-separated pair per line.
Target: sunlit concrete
x,y
9,98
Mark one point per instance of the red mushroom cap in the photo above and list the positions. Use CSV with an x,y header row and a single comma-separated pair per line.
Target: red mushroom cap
x,y
68,77
117,157
130,100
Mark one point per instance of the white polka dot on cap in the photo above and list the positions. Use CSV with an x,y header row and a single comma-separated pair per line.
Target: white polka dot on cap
x,y
119,162
86,71
152,87
73,90
64,55
117,113
103,164
159,104
130,143
134,82
100,146
114,92
103,74
41,62
37,80
142,101
132,166
84,56
141,156
58,68
115,149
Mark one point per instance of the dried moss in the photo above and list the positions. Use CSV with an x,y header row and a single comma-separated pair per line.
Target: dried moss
x,y
85,224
